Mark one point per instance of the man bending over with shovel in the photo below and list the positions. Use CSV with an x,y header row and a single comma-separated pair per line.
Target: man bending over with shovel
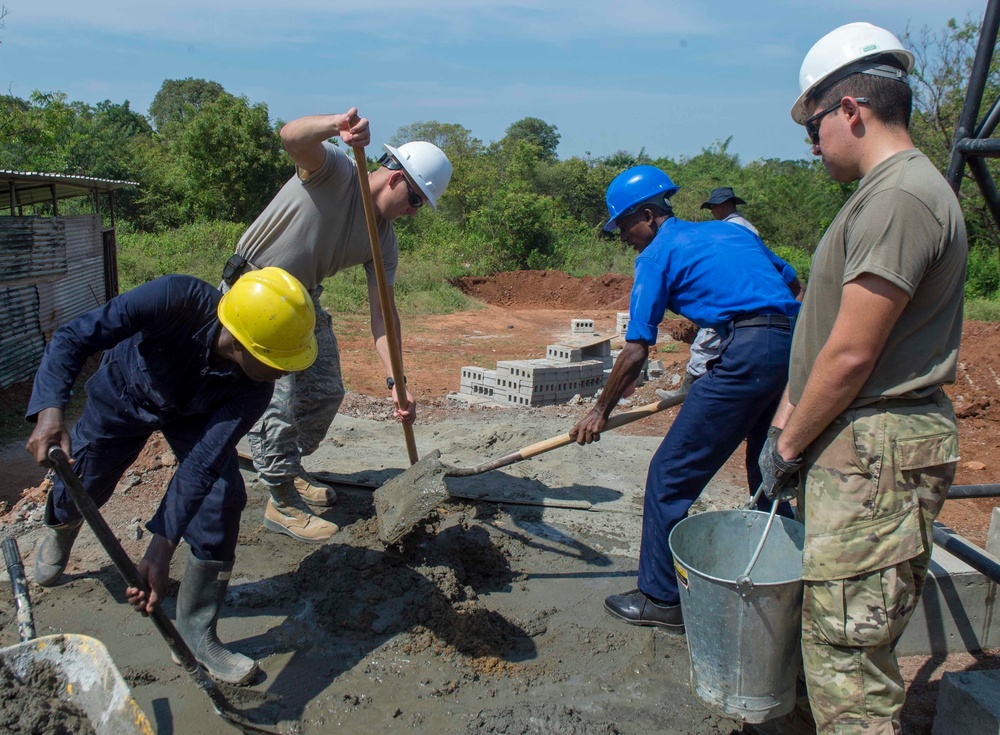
x,y
314,228
199,366
717,276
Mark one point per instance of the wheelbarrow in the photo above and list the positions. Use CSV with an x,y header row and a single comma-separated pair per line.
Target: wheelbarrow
x,y
88,678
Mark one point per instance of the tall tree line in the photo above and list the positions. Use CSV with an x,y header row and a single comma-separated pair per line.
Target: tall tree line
x,y
203,155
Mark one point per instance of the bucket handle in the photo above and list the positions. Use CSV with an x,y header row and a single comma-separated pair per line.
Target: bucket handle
x,y
744,585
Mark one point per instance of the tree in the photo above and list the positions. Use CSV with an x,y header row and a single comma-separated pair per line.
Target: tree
x,y
537,132
943,63
233,160
179,99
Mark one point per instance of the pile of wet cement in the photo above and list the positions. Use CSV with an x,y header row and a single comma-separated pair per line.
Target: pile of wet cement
x,y
427,592
33,705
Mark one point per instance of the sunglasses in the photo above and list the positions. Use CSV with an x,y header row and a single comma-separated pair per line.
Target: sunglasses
x,y
416,201
812,124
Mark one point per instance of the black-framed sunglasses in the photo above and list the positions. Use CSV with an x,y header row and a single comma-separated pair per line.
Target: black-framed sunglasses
x,y
416,201
812,123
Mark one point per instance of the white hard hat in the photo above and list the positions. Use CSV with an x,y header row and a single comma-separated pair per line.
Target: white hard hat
x,y
427,165
845,50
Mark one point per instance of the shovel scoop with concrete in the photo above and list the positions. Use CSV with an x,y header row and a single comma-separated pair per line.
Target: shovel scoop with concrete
x,y
405,500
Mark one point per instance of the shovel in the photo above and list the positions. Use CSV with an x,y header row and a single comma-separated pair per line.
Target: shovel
x,y
395,349
410,496
88,509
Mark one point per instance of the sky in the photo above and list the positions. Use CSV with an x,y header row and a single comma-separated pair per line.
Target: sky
x,y
672,77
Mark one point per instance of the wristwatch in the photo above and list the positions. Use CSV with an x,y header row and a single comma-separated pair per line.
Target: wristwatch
x,y
389,382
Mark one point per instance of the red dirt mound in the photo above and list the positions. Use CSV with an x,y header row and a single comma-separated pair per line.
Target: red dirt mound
x,y
550,289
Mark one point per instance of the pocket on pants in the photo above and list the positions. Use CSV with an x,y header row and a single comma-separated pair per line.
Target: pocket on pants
x,y
866,611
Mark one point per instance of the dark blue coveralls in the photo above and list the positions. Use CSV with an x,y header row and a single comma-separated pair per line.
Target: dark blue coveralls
x,y
718,275
157,374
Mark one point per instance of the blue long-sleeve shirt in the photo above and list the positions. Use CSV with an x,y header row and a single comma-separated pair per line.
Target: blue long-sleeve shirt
x,y
159,337
709,272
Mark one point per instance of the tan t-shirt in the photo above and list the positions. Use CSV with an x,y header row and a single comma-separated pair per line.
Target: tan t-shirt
x,y
315,227
903,224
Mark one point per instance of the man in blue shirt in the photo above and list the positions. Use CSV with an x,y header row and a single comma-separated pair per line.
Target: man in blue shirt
x,y
717,276
182,359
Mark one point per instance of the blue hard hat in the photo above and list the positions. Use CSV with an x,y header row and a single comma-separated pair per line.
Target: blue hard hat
x,y
634,186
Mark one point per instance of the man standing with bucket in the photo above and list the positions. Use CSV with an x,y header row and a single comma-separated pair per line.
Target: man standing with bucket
x,y
314,228
716,275
866,427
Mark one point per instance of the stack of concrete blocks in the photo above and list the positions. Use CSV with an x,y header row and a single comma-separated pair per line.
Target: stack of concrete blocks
x,y
576,367
477,381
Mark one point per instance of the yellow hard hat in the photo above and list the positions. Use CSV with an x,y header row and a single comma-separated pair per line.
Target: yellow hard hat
x,y
272,316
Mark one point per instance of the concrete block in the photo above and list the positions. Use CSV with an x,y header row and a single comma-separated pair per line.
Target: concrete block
x,y
655,368
581,326
967,704
591,352
956,613
993,538
621,322
472,373
561,353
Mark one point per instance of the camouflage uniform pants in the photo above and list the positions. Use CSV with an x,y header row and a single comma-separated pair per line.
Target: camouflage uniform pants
x,y
875,480
302,408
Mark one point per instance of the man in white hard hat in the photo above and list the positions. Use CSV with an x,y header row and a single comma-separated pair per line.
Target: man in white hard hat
x,y
314,228
866,431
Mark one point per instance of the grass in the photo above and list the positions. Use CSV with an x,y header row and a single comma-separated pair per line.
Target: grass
x,y
982,310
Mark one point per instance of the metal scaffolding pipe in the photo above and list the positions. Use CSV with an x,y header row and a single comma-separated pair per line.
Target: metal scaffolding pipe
x,y
974,491
984,563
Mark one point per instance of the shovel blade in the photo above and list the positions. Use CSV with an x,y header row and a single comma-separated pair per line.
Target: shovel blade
x,y
405,500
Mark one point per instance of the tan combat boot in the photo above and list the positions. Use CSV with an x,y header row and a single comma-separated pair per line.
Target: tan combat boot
x,y
286,514
315,492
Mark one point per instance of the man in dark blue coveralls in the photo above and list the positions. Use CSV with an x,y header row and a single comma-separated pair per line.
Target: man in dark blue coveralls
x,y
185,360
717,276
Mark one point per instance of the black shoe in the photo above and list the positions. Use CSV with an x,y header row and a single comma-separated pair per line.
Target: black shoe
x,y
636,608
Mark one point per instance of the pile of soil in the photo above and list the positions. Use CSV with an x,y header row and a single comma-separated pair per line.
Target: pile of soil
x,y
32,704
550,289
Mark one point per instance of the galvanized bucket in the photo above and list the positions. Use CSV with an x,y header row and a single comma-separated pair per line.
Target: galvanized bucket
x,y
742,633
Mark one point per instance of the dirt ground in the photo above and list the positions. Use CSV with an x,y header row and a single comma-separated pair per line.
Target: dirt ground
x,y
488,619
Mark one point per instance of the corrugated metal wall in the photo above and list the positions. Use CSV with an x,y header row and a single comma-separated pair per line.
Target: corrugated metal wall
x,y
51,270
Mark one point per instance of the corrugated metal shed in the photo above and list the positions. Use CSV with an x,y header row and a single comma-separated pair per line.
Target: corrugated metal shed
x,y
30,187
52,269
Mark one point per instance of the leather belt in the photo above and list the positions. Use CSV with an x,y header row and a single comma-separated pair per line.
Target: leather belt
x,y
762,320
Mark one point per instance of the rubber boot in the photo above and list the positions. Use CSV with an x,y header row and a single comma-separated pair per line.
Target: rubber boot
x,y
313,491
53,553
202,591
286,513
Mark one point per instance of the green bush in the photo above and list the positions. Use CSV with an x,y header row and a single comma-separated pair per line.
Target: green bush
x,y
199,250
983,277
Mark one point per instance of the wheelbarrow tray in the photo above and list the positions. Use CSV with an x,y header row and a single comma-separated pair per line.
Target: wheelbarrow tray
x,y
91,680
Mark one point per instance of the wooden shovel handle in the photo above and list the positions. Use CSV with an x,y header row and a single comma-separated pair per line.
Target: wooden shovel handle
x,y
619,419
395,351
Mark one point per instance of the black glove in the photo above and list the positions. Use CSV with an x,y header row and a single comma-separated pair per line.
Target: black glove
x,y
776,471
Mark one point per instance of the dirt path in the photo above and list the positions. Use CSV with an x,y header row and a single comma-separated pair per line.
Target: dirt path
x,y
490,618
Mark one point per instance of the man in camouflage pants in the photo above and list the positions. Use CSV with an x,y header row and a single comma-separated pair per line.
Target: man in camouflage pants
x,y
866,429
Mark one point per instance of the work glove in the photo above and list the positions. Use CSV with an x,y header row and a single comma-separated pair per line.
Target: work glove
x,y
776,471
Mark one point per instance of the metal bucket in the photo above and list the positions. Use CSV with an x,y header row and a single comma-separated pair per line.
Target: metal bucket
x,y
743,635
